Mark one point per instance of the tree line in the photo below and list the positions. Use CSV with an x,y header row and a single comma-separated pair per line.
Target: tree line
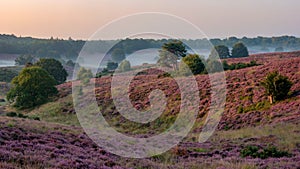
x,y
69,48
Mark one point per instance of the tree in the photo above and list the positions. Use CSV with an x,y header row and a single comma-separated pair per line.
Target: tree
x,y
24,59
220,51
54,68
84,75
239,50
112,65
194,63
277,86
118,55
125,66
170,53
32,87
175,47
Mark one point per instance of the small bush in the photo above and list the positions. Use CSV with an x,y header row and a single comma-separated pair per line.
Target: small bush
x,y
270,151
20,115
163,75
12,114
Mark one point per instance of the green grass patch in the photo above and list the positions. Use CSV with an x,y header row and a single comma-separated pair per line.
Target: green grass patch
x,y
56,112
254,107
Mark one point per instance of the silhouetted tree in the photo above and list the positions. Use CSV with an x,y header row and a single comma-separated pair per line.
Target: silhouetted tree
x,y
220,51
239,50
170,53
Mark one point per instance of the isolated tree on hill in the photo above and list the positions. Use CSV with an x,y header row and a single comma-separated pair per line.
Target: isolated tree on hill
x,y
33,86
118,55
221,50
54,68
24,59
239,50
194,63
125,66
84,75
175,47
277,86
170,53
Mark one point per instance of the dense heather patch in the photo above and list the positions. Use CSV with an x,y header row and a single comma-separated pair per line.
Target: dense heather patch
x,y
246,103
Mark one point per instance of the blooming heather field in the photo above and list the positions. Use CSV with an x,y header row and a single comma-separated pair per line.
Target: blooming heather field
x,y
248,120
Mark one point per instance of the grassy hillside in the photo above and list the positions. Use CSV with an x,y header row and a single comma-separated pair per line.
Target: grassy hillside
x,y
57,140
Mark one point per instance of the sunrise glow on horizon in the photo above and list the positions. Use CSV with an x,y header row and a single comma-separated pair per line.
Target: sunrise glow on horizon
x,y
218,19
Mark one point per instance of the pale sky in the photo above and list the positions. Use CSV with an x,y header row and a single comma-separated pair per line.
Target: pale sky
x,y
79,19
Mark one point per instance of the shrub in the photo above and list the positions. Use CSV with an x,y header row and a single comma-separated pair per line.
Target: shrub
x,y
125,66
270,151
33,86
54,68
84,75
194,63
220,51
276,86
239,50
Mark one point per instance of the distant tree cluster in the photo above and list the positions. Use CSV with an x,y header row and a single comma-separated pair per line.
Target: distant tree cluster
x,y
57,48
173,51
222,51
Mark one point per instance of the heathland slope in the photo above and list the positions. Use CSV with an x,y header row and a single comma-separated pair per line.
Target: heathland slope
x,y
248,119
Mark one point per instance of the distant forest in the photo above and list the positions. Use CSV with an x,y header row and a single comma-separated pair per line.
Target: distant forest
x,y
69,49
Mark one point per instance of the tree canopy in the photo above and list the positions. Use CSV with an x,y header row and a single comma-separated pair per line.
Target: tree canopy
x,y
239,50
276,86
220,51
84,75
171,52
54,68
194,62
175,47
33,86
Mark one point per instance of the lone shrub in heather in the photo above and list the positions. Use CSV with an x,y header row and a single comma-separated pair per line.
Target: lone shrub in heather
x,y
277,86
84,75
33,86
270,151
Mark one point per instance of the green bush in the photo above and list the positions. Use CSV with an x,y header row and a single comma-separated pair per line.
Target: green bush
x,y
54,68
277,86
32,87
270,151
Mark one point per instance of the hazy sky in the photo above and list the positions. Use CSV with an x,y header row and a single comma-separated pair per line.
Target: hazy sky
x,y
79,19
